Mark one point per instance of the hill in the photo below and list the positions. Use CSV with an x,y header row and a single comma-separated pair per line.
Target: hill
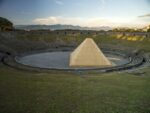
x,y
60,27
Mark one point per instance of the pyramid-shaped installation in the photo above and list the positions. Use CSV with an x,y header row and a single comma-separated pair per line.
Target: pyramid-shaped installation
x,y
87,54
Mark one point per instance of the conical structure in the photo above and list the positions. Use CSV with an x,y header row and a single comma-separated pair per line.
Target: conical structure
x,y
87,54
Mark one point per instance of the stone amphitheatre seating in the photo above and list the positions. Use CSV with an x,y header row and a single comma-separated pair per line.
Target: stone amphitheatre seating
x,y
136,60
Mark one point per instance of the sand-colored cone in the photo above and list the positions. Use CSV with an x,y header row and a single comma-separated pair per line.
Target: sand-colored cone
x,y
87,54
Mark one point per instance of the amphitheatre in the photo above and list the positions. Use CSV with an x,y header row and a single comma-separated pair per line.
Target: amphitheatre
x,y
74,71
57,57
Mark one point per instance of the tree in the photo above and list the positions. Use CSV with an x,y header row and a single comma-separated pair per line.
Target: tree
x,y
5,25
148,30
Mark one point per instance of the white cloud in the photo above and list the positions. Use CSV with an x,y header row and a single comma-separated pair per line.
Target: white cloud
x,y
49,20
59,2
91,22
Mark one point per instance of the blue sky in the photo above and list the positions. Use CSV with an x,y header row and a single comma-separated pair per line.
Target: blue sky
x,y
92,13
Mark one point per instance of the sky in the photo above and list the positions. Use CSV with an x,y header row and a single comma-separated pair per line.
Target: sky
x,y
90,13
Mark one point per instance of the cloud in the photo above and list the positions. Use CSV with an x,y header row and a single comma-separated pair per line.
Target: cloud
x,y
59,2
49,20
90,22
143,16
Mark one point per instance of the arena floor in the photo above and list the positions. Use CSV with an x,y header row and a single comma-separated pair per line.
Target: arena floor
x,y
60,60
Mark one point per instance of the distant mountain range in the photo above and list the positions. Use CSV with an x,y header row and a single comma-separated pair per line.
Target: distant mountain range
x,y
60,27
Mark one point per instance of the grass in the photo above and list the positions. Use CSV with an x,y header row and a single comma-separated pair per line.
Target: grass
x,y
26,92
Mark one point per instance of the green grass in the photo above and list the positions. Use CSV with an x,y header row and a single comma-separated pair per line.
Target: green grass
x,y
29,92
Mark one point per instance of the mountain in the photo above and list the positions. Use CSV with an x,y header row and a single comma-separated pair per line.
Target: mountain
x,y
60,27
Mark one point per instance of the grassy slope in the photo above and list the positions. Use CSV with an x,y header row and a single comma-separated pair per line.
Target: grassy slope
x,y
28,92
24,92
100,39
